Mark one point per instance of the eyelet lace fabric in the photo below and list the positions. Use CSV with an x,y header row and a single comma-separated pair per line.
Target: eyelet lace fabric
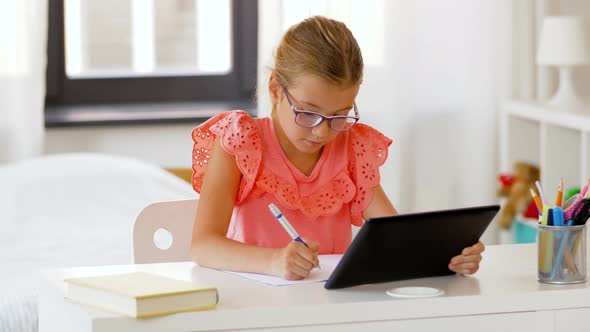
x,y
325,201
240,136
367,152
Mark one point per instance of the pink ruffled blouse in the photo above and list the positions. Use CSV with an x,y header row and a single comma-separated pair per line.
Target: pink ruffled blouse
x,y
320,206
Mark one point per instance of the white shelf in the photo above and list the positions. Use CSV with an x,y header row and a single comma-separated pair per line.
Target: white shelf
x,y
555,140
544,114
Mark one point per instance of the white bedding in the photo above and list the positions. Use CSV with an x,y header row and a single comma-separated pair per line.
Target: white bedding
x,y
69,210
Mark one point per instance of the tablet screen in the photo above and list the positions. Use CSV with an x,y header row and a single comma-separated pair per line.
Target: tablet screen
x,y
408,246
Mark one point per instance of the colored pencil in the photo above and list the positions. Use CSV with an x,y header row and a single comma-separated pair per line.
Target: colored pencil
x,y
583,192
537,201
559,198
541,194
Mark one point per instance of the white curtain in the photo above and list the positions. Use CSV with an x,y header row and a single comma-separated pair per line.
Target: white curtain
x,y
23,43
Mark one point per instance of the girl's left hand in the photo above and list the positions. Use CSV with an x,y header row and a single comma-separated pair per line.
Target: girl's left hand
x,y
468,261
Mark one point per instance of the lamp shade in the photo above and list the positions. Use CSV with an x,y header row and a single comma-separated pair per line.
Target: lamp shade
x,y
563,42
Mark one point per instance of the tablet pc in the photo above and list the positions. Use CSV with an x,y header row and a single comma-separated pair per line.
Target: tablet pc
x,y
408,246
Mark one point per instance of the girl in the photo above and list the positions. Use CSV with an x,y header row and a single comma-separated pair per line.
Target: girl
x,y
310,158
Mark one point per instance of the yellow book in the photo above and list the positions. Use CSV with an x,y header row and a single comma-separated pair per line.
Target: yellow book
x,y
140,294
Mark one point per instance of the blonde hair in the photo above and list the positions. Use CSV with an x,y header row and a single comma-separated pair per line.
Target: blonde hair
x,y
322,47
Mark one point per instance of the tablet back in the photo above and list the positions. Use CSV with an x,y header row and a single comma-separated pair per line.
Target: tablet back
x,y
410,246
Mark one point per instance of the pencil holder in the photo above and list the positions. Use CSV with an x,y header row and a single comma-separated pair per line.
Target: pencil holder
x,y
561,254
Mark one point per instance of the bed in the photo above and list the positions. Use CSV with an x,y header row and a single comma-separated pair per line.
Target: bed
x,y
70,210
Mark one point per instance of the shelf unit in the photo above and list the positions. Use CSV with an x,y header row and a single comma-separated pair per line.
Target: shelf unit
x,y
555,140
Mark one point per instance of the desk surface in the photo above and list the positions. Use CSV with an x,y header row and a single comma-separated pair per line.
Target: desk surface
x,y
507,282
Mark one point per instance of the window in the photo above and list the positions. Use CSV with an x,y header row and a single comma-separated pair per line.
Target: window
x,y
122,51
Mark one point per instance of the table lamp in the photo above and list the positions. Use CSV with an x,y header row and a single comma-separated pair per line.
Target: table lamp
x,y
563,44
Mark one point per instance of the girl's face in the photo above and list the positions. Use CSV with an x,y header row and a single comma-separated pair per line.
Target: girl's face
x,y
309,93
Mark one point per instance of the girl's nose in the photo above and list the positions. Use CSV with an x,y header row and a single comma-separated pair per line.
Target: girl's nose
x,y
322,130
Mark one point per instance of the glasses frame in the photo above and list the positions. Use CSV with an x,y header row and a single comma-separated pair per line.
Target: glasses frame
x,y
298,111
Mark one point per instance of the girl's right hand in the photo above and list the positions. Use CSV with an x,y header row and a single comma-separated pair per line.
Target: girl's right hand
x,y
295,261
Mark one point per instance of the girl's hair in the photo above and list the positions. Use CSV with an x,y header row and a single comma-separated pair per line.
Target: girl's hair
x,y
322,47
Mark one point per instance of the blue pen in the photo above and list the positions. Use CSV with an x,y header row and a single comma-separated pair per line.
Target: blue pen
x,y
559,255
286,225
558,219
561,238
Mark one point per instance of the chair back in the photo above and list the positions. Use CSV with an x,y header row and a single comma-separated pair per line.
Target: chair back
x,y
163,232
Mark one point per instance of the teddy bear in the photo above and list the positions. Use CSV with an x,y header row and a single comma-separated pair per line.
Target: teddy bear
x,y
515,187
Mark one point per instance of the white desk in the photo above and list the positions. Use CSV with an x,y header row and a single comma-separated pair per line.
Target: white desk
x,y
504,294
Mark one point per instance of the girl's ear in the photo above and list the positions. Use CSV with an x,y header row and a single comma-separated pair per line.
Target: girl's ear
x,y
274,89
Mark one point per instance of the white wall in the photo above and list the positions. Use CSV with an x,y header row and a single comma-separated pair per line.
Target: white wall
x,y
167,145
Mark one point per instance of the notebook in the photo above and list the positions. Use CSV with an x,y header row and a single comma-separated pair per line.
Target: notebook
x,y
140,294
327,263
409,246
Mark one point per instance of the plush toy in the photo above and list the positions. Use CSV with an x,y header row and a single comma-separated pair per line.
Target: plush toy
x,y
515,187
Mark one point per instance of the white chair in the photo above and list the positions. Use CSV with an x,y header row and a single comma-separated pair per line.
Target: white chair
x,y
163,232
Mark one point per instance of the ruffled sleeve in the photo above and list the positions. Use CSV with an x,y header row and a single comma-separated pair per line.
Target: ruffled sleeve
x,y
239,137
367,151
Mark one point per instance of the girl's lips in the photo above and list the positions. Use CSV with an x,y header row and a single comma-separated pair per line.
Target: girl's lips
x,y
314,143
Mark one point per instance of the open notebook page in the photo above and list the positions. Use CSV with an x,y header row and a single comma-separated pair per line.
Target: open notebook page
x,y
327,262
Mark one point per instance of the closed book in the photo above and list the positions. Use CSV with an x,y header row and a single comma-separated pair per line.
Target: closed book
x,y
140,294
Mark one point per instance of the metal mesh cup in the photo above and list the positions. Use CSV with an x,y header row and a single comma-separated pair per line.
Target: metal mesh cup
x,y
562,254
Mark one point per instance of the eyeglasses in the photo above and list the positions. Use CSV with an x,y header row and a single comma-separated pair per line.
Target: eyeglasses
x,y
309,119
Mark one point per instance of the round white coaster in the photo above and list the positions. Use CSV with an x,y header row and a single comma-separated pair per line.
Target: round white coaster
x,y
414,292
